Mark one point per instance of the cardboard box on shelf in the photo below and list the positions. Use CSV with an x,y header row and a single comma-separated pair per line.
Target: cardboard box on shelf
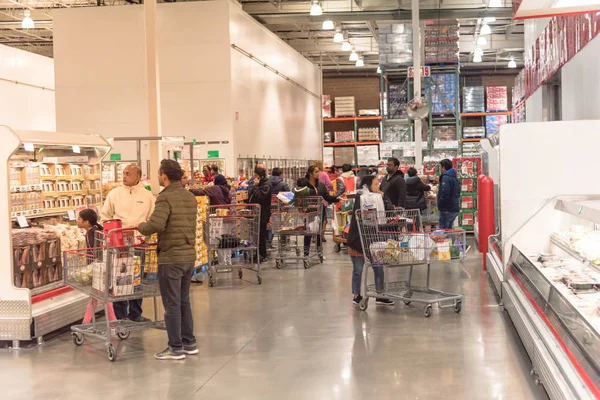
x,y
344,155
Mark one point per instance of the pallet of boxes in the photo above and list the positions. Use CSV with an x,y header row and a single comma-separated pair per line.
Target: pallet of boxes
x,y
345,107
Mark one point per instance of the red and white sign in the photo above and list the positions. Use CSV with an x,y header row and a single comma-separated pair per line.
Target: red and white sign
x,y
425,72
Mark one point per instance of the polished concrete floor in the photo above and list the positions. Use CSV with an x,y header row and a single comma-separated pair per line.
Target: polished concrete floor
x,y
297,336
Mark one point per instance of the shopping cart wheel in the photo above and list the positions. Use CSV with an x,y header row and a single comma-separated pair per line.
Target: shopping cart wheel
x,y
306,264
123,335
240,273
112,352
278,264
407,302
337,248
259,277
298,252
427,310
78,338
458,306
364,304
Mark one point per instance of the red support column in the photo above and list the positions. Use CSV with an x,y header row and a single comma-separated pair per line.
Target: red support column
x,y
485,213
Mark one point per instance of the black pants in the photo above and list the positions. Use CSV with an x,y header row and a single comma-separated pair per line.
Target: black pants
x,y
262,240
131,309
307,240
174,281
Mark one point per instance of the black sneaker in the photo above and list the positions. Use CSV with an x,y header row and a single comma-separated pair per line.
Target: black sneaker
x,y
357,300
263,260
140,319
190,349
170,354
384,302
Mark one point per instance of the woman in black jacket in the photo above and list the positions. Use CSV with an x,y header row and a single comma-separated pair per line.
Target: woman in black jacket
x,y
355,248
415,192
261,194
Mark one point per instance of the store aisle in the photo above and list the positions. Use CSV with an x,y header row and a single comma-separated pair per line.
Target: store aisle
x,y
298,337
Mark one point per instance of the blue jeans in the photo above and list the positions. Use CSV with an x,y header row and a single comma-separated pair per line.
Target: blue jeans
x,y
357,269
446,219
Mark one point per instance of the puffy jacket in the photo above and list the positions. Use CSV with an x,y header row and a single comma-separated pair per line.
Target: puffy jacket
x,y
261,194
321,190
415,193
278,185
449,192
394,189
174,219
218,195
353,235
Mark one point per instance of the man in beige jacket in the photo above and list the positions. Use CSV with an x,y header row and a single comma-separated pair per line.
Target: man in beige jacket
x,y
133,204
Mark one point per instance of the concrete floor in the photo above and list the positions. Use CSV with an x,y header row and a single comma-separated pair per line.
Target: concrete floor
x,y
297,336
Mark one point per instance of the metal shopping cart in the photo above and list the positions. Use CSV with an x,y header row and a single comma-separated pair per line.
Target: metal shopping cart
x,y
119,270
395,239
231,232
302,221
431,215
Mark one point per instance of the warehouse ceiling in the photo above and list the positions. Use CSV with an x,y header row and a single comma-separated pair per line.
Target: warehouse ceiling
x,y
291,21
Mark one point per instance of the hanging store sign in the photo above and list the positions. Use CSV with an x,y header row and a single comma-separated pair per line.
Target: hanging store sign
x,y
213,154
115,157
425,72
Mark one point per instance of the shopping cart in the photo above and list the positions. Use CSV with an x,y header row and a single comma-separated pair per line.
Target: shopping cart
x,y
231,232
431,215
119,270
302,221
342,213
394,239
270,233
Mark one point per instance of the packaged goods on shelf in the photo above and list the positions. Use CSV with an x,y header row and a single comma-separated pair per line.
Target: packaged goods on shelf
x,y
398,100
344,136
496,98
466,219
518,114
344,155
473,99
467,167
327,137
201,249
470,148
493,122
395,44
441,88
518,93
431,168
328,159
397,133
374,112
440,154
326,105
444,132
441,42
474,132
367,155
344,106
468,201
36,257
368,134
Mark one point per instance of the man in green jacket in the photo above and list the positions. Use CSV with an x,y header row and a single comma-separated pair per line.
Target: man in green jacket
x,y
174,219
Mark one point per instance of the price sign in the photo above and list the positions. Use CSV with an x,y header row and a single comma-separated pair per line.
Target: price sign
x,y
425,72
22,221
72,215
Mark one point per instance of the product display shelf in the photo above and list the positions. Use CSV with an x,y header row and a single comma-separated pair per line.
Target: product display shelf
x,y
359,123
468,170
33,298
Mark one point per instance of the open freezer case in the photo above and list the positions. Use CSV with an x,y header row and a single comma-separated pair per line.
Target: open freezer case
x,y
50,176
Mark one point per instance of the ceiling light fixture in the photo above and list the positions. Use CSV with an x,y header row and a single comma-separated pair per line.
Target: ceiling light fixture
x,y
27,22
481,41
495,3
478,52
354,56
316,9
346,46
485,30
328,25
360,62
489,19
338,37
477,59
512,63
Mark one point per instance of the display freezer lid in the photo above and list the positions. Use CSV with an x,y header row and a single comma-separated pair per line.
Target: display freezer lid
x,y
60,138
588,209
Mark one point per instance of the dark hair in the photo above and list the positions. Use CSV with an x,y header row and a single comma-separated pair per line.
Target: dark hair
x,y
368,181
346,168
171,169
447,164
276,171
220,180
302,182
260,172
412,171
395,161
91,217
310,171
215,169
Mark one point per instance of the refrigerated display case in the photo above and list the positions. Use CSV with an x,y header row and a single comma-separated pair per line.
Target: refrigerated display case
x,y
50,177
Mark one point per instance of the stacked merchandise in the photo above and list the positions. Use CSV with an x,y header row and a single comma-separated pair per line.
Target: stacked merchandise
x,y
497,98
398,100
518,93
344,155
470,148
431,168
441,89
368,134
327,137
473,132
201,264
493,122
344,107
468,169
396,133
367,155
369,112
473,99
344,136
518,114
326,105
444,132
395,44
441,43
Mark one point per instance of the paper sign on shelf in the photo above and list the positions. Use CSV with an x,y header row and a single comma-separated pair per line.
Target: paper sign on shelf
x,y
409,152
22,221
72,215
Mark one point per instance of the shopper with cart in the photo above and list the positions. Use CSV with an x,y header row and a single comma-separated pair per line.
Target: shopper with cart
x,y
261,194
394,185
174,219
448,195
219,193
369,198
133,204
415,192
278,185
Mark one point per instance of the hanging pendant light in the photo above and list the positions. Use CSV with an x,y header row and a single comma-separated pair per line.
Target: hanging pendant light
x,y
485,30
316,9
489,19
478,52
338,37
360,62
481,41
27,22
512,63
477,59
346,46
328,25
353,56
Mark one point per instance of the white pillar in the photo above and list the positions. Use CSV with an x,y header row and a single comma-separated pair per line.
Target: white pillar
x,y
417,76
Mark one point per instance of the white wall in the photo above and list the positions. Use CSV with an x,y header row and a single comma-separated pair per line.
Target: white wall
x,y
23,107
533,28
275,117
